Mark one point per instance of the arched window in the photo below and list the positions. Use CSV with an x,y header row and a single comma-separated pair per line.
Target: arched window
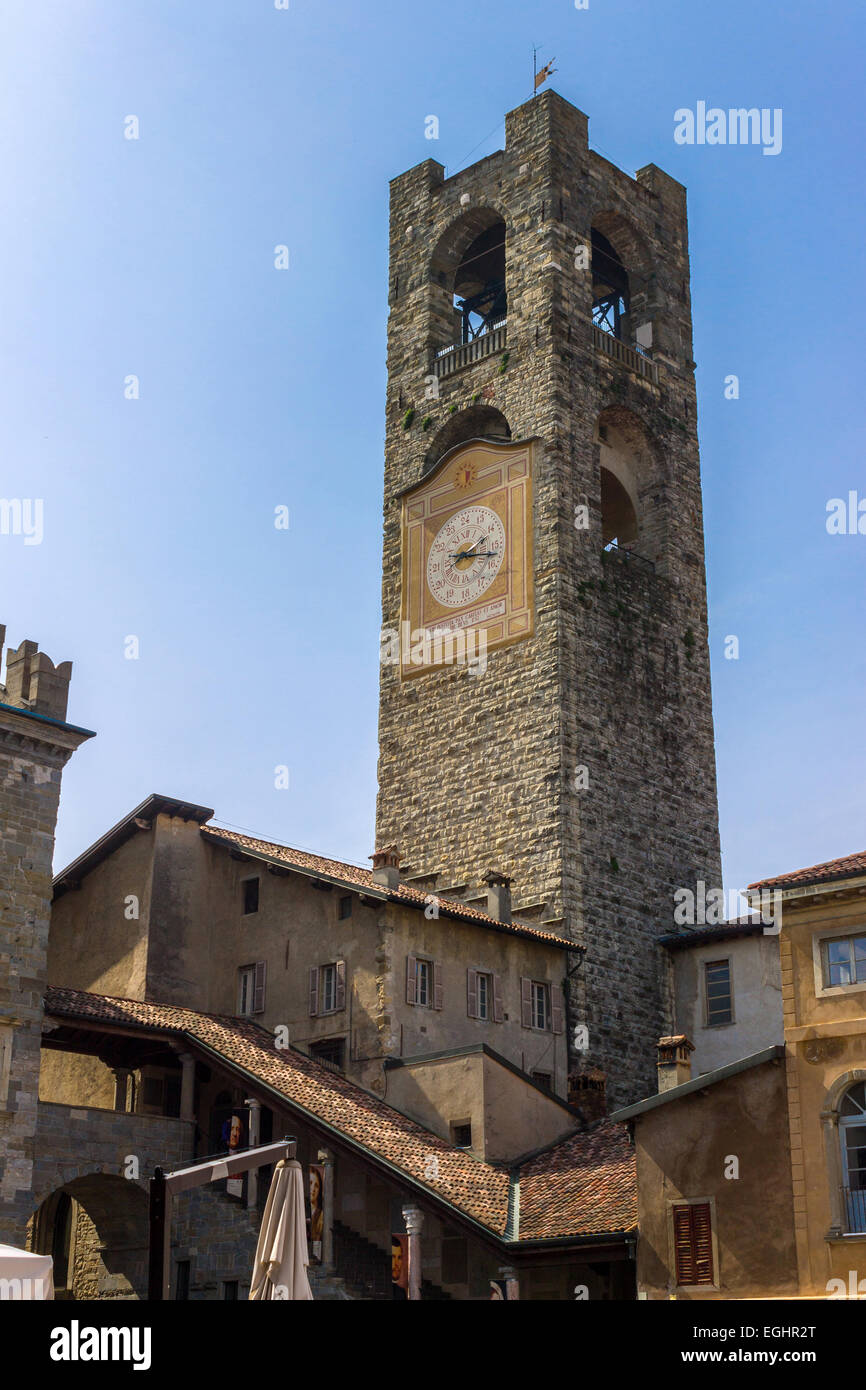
x,y
479,284
618,517
852,1141
611,295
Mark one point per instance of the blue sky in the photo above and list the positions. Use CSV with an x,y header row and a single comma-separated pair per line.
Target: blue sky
x,y
260,387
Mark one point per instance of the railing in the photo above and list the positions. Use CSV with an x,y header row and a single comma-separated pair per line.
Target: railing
x,y
621,352
629,557
458,355
854,1208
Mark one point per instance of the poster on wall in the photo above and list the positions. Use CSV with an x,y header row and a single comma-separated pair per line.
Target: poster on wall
x,y
317,1209
233,1138
400,1263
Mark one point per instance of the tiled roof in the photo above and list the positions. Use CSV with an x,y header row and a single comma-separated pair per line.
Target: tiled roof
x,y
585,1185
478,1189
749,924
582,1186
355,877
846,867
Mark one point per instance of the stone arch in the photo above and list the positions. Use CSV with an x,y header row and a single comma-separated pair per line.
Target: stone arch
x,y
469,262
620,249
108,1242
836,1091
476,422
631,484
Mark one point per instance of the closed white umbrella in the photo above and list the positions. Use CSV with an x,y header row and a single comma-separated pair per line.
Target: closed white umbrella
x,y
25,1275
280,1268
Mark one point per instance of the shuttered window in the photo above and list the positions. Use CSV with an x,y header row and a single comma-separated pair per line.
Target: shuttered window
x,y
483,995
327,988
693,1244
423,982
259,988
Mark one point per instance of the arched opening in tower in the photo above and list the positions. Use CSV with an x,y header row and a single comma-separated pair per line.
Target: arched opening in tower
x,y
618,516
479,284
610,287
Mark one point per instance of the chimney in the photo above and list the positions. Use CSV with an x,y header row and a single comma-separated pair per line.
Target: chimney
x,y
674,1061
587,1093
386,867
498,896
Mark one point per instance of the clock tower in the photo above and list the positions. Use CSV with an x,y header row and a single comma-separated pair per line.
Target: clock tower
x,y
546,712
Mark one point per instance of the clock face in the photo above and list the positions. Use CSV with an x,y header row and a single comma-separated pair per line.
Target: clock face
x,y
466,556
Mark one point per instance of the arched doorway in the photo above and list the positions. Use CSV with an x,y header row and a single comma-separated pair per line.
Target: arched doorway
x,y
96,1230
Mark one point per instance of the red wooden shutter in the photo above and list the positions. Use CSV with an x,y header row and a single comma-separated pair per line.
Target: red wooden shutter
x,y
556,1008
693,1244
411,979
472,993
525,1002
437,985
314,990
341,985
259,988
497,999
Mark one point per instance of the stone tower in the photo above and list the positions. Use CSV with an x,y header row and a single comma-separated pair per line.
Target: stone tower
x,y
541,297
35,744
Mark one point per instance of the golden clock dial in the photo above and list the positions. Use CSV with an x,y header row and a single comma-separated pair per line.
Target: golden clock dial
x,y
466,556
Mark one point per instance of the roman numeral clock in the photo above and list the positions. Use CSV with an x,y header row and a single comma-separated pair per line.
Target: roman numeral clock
x,y
467,547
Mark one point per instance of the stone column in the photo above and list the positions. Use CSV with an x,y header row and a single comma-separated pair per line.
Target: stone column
x,y
326,1158
255,1129
512,1283
187,1086
414,1218
122,1077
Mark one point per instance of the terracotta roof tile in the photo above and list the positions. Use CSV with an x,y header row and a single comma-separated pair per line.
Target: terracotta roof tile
x,y
585,1185
476,1188
846,867
353,876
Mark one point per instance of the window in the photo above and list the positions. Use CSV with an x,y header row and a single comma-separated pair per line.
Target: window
x,y
844,961
423,982
230,1290
719,996
543,1078
345,907
250,890
251,989
331,1051
461,1135
852,1137
693,1244
327,988
541,1006
484,995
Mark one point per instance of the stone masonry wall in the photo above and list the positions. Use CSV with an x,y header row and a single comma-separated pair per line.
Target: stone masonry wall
x,y
479,771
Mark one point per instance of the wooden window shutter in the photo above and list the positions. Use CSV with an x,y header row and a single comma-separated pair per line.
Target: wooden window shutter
x,y
259,988
341,985
314,990
556,1009
525,1002
437,985
411,979
472,993
693,1244
498,1012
